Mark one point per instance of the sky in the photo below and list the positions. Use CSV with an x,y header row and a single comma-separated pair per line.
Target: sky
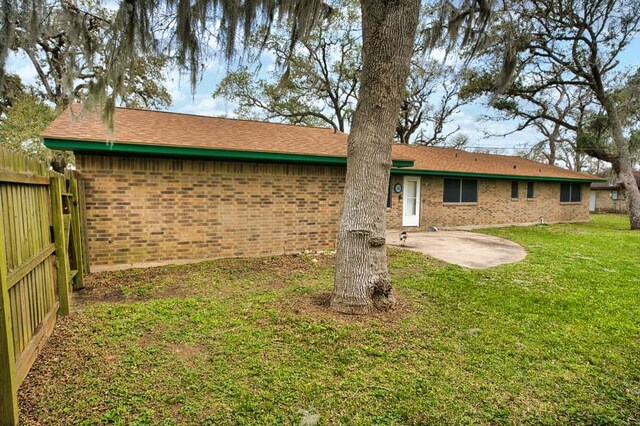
x,y
202,103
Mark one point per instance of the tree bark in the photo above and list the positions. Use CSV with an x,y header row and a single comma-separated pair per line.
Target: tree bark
x,y
362,280
624,165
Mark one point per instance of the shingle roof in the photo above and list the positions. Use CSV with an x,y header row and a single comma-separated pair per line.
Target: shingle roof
x,y
436,159
170,129
154,128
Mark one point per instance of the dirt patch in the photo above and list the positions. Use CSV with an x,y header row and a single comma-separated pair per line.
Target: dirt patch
x,y
317,307
185,353
51,368
218,277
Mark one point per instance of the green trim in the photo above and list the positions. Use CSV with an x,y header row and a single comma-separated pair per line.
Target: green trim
x,y
173,151
491,176
223,154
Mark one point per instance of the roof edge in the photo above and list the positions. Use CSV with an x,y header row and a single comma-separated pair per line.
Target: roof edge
x,y
495,176
193,152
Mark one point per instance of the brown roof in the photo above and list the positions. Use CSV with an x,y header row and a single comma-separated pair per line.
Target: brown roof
x,y
184,130
455,160
132,126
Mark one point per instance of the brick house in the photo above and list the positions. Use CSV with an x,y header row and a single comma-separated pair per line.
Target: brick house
x,y
609,197
171,188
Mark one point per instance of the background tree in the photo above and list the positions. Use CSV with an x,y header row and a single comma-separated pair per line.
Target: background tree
x,y
12,90
433,93
22,123
67,51
321,84
322,80
595,137
553,112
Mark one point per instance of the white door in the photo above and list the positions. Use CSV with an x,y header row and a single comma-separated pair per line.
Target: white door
x,y
411,201
592,202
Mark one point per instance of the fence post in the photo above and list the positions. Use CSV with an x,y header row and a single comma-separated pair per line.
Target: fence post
x,y
8,386
62,255
76,233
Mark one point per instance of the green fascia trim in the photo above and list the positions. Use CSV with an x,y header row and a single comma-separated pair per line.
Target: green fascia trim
x,y
492,176
173,151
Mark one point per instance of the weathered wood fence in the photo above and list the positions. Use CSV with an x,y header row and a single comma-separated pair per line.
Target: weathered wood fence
x,y
41,261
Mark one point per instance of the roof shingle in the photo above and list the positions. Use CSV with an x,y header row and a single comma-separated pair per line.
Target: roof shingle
x,y
132,126
438,159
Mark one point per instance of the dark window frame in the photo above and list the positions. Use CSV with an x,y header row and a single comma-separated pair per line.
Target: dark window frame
x,y
573,191
531,191
466,192
515,190
389,192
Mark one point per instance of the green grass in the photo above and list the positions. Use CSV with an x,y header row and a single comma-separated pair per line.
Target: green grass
x,y
553,339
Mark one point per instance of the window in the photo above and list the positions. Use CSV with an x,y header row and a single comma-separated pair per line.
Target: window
x,y
614,195
460,191
514,189
530,191
570,192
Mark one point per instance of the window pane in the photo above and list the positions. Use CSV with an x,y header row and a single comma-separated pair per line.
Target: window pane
x,y
576,192
411,192
565,192
529,189
469,191
451,191
514,189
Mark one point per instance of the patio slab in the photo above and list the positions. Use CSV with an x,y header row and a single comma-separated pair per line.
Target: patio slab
x,y
467,249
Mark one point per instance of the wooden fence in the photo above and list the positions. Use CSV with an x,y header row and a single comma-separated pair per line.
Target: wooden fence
x,y
40,263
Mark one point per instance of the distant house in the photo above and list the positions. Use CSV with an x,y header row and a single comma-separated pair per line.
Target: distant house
x,y
608,197
168,187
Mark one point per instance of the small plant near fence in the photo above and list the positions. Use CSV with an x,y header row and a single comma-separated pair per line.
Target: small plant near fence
x,y
41,262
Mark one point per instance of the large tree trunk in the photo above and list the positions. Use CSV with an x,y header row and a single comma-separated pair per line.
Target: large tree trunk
x,y
625,171
361,279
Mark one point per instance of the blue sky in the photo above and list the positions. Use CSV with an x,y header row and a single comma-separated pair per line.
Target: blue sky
x,y
202,103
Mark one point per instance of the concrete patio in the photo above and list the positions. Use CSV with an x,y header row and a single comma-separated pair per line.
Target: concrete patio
x,y
467,249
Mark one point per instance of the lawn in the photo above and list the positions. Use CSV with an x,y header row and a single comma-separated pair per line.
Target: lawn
x,y
553,339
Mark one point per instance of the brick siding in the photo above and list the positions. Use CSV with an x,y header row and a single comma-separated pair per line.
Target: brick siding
x,y
150,210
606,204
146,211
494,206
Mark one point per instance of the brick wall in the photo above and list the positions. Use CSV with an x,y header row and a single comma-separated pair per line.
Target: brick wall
x,y
494,206
145,211
149,210
605,204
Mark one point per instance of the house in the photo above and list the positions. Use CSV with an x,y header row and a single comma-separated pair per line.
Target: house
x,y
166,187
609,197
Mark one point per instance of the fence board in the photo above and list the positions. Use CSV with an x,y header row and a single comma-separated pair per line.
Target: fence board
x,y
35,275
8,382
19,273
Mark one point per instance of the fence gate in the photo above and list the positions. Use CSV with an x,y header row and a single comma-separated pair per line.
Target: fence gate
x,y
40,263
